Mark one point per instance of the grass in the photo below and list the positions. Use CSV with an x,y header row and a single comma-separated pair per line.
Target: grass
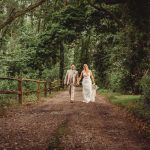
x,y
118,98
55,143
125,100
132,103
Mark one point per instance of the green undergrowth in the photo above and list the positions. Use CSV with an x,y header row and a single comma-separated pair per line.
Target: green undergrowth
x,y
132,103
8,100
12,100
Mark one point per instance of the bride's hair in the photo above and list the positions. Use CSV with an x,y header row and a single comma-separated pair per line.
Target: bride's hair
x,y
86,68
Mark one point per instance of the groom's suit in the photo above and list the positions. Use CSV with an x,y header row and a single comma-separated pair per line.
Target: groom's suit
x,y
71,80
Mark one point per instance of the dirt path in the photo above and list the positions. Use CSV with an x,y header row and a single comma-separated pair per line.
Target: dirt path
x,y
58,124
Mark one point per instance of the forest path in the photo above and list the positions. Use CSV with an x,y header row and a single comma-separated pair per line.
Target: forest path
x,y
59,124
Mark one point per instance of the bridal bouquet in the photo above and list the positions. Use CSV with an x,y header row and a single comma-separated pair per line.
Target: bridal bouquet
x,y
94,87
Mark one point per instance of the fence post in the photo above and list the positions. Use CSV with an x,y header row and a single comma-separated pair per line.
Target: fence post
x,y
20,90
45,89
38,90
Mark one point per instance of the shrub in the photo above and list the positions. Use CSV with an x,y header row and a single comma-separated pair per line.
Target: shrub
x,y
145,86
117,80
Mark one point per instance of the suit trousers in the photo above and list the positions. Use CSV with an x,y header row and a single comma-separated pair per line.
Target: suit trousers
x,y
71,91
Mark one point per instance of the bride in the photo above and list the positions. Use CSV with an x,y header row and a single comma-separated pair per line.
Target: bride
x,y
87,83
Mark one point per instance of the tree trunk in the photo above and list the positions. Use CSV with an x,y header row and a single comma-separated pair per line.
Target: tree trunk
x,y
61,69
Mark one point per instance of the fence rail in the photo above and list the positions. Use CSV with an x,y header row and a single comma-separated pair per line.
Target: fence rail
x,y
48,87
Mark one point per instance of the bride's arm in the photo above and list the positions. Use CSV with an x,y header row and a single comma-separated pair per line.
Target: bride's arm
x,y
92,77
80,78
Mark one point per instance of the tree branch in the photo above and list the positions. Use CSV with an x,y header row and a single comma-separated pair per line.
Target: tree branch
x,y
115,1
17,14
107,12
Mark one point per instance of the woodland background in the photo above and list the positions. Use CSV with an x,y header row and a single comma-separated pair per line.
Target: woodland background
x,y
40,39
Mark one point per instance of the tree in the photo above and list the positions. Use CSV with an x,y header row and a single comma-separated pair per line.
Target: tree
x,y
13,14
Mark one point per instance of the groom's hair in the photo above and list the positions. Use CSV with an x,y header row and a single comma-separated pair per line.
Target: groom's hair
x,y
73,65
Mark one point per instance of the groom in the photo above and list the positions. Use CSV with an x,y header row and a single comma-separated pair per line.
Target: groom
x,y
71,80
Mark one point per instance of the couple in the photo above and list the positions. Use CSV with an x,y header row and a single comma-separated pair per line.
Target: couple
x,y
71,79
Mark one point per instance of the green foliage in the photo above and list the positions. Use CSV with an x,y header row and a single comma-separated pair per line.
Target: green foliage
x,y
51,74
132,103
8,85
8,99
72,18
116,78
145,85
43,43
85,54
140,110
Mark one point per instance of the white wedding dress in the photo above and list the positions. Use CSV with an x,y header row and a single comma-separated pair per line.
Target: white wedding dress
x,y
87,87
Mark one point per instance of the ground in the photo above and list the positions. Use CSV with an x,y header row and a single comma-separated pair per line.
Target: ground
x,y
58,124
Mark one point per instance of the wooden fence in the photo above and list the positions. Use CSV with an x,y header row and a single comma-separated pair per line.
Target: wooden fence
x,y
48,87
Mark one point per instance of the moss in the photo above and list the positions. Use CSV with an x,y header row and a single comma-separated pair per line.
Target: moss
x,y
55,143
